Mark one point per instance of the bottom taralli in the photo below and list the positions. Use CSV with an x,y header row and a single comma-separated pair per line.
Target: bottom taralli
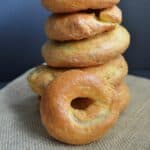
x,y
81,125
80,104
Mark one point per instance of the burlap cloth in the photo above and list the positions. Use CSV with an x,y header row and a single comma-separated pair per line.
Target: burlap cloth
x,y
21,128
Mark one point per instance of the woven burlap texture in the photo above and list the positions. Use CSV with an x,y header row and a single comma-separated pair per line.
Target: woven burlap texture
x,y
21,128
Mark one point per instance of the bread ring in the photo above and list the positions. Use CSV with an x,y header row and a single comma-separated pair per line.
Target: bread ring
x,y
81,25
123,96
75,26
78,125
64,6
113,14
87,52
112,72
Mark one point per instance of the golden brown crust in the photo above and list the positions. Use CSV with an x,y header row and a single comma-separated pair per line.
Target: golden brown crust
x,y
41,76
78,126
113,14
113,72
63,6
75,26
123,96
88,52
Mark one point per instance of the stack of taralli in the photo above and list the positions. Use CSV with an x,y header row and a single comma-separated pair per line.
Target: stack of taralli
x,y
82,86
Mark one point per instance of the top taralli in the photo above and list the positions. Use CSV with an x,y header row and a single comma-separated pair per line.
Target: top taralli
x,y
65,6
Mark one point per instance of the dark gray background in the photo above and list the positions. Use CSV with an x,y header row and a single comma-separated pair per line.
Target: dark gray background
x,y
22,35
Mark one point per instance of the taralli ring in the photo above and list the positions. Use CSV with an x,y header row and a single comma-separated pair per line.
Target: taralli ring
x,y
70,124
75,26
81,25
88,52
112,72
64,6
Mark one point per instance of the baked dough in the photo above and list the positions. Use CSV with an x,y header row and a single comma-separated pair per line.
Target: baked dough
x,y
88,52
81,25
113,14
65,6
75,26
123,96
112,72
78,125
